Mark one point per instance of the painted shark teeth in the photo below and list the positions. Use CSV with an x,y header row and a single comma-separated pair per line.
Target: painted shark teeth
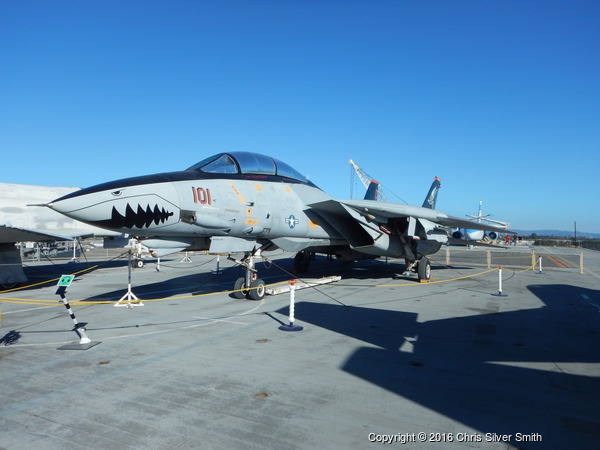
x,y
140,218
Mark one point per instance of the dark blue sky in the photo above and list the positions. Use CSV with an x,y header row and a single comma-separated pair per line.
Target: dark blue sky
x,y
501,99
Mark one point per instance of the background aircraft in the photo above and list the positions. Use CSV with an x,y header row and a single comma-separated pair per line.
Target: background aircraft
x,y
22,222
249,203
471,234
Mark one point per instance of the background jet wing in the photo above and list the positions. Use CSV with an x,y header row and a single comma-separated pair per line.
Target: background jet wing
x,y
455,222
10,234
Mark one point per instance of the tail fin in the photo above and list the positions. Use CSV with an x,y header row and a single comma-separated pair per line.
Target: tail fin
x,y
372,190
431,198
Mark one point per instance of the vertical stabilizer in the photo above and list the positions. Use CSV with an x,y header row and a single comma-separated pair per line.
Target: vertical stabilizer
x,y
479,214
431,198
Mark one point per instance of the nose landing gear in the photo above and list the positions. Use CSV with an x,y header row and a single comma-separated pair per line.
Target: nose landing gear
x,y
249,286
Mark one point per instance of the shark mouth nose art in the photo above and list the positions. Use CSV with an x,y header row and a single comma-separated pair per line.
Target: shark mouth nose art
x,y
142,218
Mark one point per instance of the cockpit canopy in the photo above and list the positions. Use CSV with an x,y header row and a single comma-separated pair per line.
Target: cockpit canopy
x,y
247,163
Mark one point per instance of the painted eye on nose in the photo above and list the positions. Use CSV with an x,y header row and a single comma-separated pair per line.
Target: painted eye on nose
x,y
117,193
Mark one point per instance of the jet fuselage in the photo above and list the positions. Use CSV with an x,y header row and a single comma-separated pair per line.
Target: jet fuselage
x,y
192,204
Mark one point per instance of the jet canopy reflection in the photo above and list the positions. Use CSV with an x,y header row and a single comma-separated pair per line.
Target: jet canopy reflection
x,y
247,163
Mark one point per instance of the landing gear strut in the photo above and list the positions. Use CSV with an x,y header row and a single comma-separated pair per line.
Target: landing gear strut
x,y
249,286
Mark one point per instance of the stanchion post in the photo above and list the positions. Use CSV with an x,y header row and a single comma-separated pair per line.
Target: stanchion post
x,y
74,258
218,271
84,341
540,261
489,259
291,326
129,295
500,294
581,262
447,255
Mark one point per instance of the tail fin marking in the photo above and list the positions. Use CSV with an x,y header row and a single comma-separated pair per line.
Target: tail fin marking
x,y
431,198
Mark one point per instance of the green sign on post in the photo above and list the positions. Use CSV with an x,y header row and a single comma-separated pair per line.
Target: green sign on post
x,y
66,280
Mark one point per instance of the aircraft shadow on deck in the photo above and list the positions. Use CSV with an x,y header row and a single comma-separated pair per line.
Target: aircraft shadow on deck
x,y
472,369
207,281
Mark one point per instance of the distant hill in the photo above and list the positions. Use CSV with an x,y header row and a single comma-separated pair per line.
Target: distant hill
x,y
559,233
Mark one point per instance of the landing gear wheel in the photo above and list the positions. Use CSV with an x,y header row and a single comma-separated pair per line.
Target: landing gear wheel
x,y
137,263
257,290
239,288
301,262
424,269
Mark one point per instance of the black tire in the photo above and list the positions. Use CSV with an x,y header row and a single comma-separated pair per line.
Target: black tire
x,y
301,262
424,269
137,263
257,290
239,288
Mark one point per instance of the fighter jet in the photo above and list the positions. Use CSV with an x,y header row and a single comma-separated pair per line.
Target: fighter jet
x,y
242,202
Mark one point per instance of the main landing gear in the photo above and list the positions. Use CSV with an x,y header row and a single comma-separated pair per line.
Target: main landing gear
x,y
421,267
248,286
302,261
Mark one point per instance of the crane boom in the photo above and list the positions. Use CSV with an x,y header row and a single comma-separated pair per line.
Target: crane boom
x,y
365,178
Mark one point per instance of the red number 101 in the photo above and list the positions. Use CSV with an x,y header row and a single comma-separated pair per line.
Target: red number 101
x,y
202,196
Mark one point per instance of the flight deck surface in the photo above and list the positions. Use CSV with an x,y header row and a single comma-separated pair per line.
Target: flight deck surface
x,y
381,357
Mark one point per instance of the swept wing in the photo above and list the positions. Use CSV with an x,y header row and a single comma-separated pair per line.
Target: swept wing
x,y
390,211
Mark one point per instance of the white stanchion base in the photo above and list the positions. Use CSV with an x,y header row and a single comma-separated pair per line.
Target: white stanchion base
x,y
131,300
76,346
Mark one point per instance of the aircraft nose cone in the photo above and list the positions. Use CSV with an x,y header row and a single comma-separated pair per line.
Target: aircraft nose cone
x,y
123,209
68,203
55,205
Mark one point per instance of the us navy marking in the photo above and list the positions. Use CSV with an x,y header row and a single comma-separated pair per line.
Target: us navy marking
x,y
292,221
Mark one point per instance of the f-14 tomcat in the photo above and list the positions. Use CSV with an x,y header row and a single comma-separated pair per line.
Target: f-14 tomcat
x,y
241,202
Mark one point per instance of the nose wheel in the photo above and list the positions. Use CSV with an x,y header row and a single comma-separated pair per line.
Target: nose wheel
x,y
254,291
249,286
240,289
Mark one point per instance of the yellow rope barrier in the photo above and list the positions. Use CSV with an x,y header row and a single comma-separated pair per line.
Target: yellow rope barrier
x,y
56,279
111,302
